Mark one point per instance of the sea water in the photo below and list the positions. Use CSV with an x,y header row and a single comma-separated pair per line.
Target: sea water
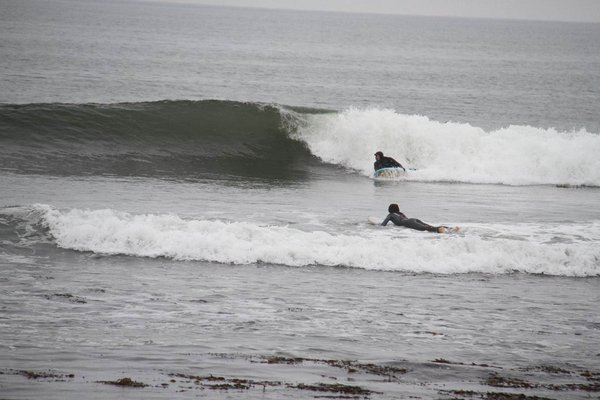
x,y
185,193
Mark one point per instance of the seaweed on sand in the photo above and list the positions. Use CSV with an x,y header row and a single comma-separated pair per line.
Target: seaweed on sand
x,y
128,382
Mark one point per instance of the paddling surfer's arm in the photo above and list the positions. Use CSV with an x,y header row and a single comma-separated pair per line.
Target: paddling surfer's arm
x,y
396,219
395,163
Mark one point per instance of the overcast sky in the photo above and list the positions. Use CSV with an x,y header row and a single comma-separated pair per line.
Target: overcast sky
x,y
557,10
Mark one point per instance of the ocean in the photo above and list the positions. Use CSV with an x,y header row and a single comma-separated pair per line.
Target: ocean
x,y
186,193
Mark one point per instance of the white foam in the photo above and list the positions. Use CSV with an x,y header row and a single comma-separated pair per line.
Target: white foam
x,y
567,250
515,155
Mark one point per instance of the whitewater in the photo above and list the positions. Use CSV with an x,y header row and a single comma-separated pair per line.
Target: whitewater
x,y
552,249
455,152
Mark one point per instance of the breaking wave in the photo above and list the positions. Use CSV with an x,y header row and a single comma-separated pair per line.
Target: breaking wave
x,y
200,138
454,152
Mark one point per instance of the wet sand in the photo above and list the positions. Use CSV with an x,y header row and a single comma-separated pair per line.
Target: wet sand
x,y
274,377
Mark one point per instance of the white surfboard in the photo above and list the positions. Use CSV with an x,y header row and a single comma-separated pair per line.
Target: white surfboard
x,y
374,220
389,173
452,229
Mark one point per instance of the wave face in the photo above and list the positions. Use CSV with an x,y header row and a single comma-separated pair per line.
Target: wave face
x,y
454,152
178,138
560,249
215,138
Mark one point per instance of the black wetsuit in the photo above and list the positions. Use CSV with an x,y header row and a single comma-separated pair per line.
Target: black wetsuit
x,y
387,162
412,223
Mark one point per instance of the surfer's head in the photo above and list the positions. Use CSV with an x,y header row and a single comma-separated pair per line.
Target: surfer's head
x,y
378,155
393,208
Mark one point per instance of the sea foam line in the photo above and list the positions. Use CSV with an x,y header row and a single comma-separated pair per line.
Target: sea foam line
x,y
164,235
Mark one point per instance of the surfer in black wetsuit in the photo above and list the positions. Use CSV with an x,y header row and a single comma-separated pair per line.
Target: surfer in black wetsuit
x,y
402,220
385,162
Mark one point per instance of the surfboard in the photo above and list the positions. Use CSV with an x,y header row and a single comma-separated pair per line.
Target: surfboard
x,y
389,173
452,229
374,220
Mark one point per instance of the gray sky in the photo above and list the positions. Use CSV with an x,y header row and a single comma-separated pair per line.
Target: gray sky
x,y
558,10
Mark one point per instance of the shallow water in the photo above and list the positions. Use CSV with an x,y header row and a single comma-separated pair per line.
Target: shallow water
x,y
102,318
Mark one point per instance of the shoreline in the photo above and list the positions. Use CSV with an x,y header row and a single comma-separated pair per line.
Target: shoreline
x,y
266,377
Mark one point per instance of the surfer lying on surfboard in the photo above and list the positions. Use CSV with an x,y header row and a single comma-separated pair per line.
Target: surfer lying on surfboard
x,y
386,162
400,219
